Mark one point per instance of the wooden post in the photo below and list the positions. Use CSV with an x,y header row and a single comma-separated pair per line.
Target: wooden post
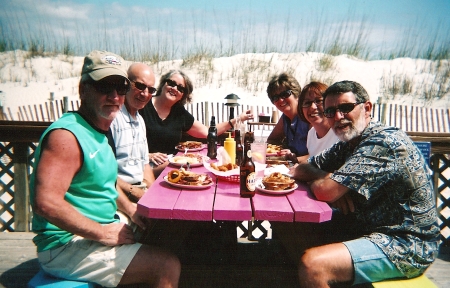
x,y
2,115
66,104
21,190
383,109
207,120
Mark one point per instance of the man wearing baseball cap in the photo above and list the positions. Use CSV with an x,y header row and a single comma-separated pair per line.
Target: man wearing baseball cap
x,y
74,197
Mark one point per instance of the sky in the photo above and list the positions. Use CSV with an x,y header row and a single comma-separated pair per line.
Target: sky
x,y
174,29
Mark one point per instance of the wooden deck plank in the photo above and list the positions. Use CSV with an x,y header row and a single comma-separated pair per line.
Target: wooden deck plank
x,y
22,264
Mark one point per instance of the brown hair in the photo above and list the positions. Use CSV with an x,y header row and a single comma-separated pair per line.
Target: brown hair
x,y
315,88
283,80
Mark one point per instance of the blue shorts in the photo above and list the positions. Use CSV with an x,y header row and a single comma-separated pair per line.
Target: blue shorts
x,y
370,262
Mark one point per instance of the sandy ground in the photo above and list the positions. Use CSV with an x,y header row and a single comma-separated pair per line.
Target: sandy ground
x,y
25,80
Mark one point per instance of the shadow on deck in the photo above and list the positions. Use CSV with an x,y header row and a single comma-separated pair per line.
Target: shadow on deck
x,y
261,264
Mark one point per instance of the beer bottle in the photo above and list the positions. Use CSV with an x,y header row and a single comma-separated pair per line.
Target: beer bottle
x,y
247,174
239,147
212,139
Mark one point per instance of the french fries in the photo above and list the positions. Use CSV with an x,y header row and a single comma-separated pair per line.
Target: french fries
x,y
271,148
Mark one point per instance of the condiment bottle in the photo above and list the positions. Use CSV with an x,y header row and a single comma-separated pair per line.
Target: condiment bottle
x,y
239,147
247,176
212,139
230,146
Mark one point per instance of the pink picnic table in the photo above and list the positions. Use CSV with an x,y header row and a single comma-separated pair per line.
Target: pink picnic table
x,y
222,202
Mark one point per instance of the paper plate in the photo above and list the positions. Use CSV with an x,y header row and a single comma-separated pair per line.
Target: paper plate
x,y
260,187
179,164
191,150
193,187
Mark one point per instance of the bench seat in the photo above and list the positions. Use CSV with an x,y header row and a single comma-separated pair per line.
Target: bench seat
x,y
44,280
418,282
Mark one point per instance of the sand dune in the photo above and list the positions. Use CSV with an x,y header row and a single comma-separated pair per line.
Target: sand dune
x,y
27,80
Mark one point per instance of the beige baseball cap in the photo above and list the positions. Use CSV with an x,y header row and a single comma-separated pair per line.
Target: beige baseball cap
x,y
101,64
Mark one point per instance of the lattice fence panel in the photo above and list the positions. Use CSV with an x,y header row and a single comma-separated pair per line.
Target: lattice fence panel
x,y
6,187
443,196
259,230
7,183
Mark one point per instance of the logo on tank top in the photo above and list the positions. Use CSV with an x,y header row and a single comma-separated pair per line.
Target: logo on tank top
x,y
92,155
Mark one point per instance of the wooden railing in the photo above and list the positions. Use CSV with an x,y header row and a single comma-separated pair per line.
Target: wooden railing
x,y
409,118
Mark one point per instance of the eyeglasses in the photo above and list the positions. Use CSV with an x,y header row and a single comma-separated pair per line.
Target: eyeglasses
x,y
106,88
343,108
307,104
142,87
174,84
282,95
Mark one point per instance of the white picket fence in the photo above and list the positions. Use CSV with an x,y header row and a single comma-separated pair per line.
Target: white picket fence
x,y
409,118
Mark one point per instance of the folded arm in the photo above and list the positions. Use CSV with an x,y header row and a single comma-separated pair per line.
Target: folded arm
x,y
61,159
324,188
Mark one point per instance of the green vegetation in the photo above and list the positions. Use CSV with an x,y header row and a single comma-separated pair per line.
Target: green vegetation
x,y
182,42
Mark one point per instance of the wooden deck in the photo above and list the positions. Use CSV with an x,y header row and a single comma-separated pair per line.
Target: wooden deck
x,y
251,265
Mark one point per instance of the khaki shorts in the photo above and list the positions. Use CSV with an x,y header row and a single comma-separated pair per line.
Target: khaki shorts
x,y
88,260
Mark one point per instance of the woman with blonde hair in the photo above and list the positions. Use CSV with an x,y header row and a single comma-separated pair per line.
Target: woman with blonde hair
x,y
166,118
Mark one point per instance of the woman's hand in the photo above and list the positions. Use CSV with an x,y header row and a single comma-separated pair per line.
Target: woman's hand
x,y
158,158
284,152
246,115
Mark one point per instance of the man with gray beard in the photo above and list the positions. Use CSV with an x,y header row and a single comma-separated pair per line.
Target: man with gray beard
x,y
385,225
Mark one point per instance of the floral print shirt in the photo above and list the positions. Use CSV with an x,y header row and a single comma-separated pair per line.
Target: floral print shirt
x,y
391,188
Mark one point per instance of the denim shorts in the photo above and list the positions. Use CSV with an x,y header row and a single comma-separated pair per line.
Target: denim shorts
x,y
83,259
370,262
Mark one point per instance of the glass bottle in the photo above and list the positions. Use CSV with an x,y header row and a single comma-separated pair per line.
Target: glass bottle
x,y
247,174
249,137
212,139
239,147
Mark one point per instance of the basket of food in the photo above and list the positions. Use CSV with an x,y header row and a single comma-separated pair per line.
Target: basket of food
x,y
227,172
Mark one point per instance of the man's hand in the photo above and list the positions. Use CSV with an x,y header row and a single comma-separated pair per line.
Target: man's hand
x,y
345,204
116,234
137,219
158,158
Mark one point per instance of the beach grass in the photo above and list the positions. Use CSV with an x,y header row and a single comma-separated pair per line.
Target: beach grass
x,y
162,41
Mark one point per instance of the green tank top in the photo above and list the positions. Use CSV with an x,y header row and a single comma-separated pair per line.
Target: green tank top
x,y
92,191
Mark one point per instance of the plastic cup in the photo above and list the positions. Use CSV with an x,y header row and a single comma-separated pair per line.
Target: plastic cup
x,y
259,150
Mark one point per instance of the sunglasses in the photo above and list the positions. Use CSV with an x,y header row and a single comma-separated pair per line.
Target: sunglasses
x,y
343,108
307,104
142,87
108,87
282,95
174,84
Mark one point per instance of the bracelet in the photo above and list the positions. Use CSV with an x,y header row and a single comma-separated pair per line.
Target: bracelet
x,y
231,124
